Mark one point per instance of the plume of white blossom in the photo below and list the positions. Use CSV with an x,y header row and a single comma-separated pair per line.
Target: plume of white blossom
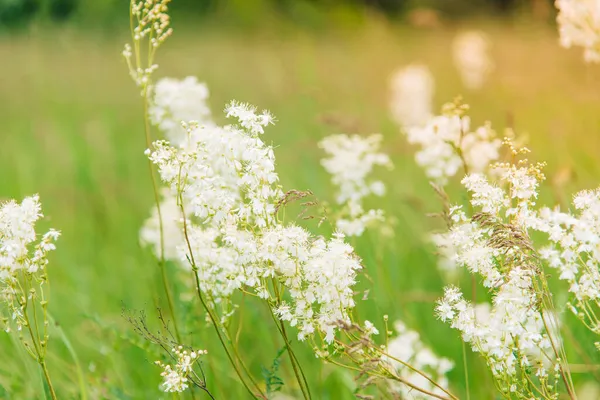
x,y
176,378
21,253
408,347
412,88
574,251
517,335
175,101
227,190
579,25
447,145
350,161
472,59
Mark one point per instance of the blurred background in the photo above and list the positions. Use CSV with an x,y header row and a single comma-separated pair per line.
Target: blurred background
x,y
71,129
15,13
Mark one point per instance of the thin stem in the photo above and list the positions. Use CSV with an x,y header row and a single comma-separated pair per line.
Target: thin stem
x,y
413,386
466,366
207,309
293,359
281,328
39,355
48,380
161,262
418,371
567,382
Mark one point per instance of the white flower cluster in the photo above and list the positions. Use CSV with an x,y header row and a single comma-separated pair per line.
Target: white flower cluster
x,y
17,232
575,253
513,335
17,236
176,379
176,101
448,144
408,347
579,25
411,99
224,182
351,160
472,58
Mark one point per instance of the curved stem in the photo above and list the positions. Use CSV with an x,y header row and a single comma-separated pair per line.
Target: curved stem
x,y
209,311
161,262
293,360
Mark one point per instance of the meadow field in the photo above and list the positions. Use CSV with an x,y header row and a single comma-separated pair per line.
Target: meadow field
x,y
72,130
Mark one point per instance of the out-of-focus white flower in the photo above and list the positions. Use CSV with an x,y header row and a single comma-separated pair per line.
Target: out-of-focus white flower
x,y
176,101
351,160
408,347
411,98
172,236
447,144
472,59
579,25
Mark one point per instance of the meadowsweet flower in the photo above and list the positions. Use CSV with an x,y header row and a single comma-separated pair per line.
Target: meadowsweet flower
x,y
177,378
411,99
175,101
319,274
226,188
447,144
579,25
574,251
408,347
510,334
20,256
471,57
351,160
513,333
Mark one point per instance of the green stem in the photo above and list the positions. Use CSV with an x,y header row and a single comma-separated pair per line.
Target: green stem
x,y
302,382
466,366
208,310
161,262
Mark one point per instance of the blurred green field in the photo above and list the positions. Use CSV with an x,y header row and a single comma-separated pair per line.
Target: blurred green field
x,y
72,131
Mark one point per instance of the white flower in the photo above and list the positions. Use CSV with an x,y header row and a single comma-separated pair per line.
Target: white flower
x,y
411,97
471,57
575,248
579,25
19,251
351,160
408,347
175,378
446,143
224,179
176,101
17,233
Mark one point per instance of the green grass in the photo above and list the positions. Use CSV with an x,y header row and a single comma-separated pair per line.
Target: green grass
x,y
71,130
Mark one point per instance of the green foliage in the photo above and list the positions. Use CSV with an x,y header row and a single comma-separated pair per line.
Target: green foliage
x,y
273,382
